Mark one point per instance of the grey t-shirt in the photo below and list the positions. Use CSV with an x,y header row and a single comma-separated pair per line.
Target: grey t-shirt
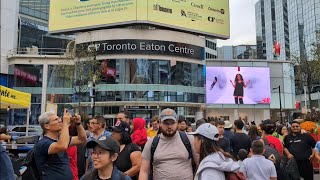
x,y
258,167
170,158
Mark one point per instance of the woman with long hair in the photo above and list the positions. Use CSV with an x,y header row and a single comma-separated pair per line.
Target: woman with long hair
x,y
280,132
253,133
238,85
213,160
129,159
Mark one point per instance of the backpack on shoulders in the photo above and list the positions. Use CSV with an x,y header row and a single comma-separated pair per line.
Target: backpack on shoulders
x,y
186,143
235,175
31,172
272,154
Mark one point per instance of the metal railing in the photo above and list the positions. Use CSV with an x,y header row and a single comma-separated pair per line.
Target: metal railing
x,y
38,51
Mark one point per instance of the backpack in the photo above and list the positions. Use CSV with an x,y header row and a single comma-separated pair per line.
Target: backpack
x,y
235,175
186,143
272,154
31,172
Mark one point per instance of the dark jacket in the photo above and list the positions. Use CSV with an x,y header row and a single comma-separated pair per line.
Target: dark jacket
x,y
116,175
6,168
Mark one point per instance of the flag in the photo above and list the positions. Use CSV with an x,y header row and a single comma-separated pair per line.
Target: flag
x,y
276,48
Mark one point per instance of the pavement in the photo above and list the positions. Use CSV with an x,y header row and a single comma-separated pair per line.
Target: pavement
x,y
316,177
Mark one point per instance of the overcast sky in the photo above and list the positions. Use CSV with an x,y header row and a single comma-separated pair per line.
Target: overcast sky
x,y
242,23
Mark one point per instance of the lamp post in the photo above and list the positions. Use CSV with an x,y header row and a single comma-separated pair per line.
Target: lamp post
x,y
280,103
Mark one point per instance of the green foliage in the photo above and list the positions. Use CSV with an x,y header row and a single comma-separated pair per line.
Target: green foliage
x,y
80,68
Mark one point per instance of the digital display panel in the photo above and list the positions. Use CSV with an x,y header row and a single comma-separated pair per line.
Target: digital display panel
x,y
204,17
237,85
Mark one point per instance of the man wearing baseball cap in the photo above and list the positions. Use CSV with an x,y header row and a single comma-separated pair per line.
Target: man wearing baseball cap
x,y
172,158
105,152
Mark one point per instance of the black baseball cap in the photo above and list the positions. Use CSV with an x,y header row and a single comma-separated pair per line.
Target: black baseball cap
x,y
121,127
107,143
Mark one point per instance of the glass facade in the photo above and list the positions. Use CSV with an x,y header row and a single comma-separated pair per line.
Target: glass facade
x,y
35,8
292,23
238,52
141,71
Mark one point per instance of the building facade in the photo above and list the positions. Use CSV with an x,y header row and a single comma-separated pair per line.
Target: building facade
x,y
151,70
291,23
237,52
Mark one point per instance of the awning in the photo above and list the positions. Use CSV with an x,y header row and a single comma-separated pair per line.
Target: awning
x,y
13,98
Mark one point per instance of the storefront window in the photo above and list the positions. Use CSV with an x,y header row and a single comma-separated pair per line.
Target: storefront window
x,y
27,75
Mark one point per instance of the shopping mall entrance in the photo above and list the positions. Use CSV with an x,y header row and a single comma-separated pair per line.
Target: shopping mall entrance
x,y
146,112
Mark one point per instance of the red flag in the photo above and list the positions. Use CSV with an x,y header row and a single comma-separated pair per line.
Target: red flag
x,y
276,48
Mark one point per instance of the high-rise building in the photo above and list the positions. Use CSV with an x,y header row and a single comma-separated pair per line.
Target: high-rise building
x,y
238,52
291,23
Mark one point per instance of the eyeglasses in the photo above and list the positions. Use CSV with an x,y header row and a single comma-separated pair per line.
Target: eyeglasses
x,y
295,126
56,119
98,153
92,123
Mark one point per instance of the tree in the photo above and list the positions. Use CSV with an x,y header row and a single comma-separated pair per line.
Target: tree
x,y
80,67
307,67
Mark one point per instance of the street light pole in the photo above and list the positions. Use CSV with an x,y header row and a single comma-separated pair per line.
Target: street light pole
x,y
280,109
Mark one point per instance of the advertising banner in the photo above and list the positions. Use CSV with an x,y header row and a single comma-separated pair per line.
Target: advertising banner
x,y
204,17
14,98
238,85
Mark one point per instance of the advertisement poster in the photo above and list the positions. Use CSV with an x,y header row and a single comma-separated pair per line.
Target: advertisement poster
x,y
203,17
237,85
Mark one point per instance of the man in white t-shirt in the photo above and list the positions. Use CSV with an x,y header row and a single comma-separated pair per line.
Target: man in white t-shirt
x,y
171,158
257,166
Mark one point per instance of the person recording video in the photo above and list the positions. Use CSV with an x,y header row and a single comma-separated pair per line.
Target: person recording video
x,y
50,154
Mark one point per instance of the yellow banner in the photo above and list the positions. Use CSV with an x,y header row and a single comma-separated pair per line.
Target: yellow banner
x,y
207,17
13,98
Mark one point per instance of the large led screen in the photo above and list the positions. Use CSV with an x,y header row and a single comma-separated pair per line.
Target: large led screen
x,y
237,85
205,17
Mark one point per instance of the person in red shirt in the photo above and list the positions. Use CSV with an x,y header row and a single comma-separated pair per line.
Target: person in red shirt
x,y
268,127
72,154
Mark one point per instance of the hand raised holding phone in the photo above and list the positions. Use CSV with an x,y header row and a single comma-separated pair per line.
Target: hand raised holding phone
x,y
66,117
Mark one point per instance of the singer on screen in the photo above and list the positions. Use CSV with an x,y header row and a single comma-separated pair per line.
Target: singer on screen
x,y
238,85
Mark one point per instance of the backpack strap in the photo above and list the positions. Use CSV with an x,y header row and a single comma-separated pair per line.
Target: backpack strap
x,y
186,142
154,145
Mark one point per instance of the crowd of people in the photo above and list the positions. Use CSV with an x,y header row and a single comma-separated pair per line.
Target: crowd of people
x,y
167,148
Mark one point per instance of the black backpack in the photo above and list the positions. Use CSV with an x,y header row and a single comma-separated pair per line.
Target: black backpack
x,y
31,173
272,154
186,143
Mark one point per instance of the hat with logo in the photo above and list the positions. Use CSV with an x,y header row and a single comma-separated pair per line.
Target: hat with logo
x,y
227,125
168,114
107,143
121,127
207,130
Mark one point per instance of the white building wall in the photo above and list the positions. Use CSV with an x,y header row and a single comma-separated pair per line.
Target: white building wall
x,y
9,30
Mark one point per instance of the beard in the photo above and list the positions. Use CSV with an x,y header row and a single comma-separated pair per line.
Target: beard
x,y
169,132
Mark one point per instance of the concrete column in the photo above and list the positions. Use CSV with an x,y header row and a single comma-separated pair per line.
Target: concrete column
x,y
266,114
235,114
44,87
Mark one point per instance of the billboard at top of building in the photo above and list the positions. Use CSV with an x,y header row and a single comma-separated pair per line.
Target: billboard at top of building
x,y
238,85
203,17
